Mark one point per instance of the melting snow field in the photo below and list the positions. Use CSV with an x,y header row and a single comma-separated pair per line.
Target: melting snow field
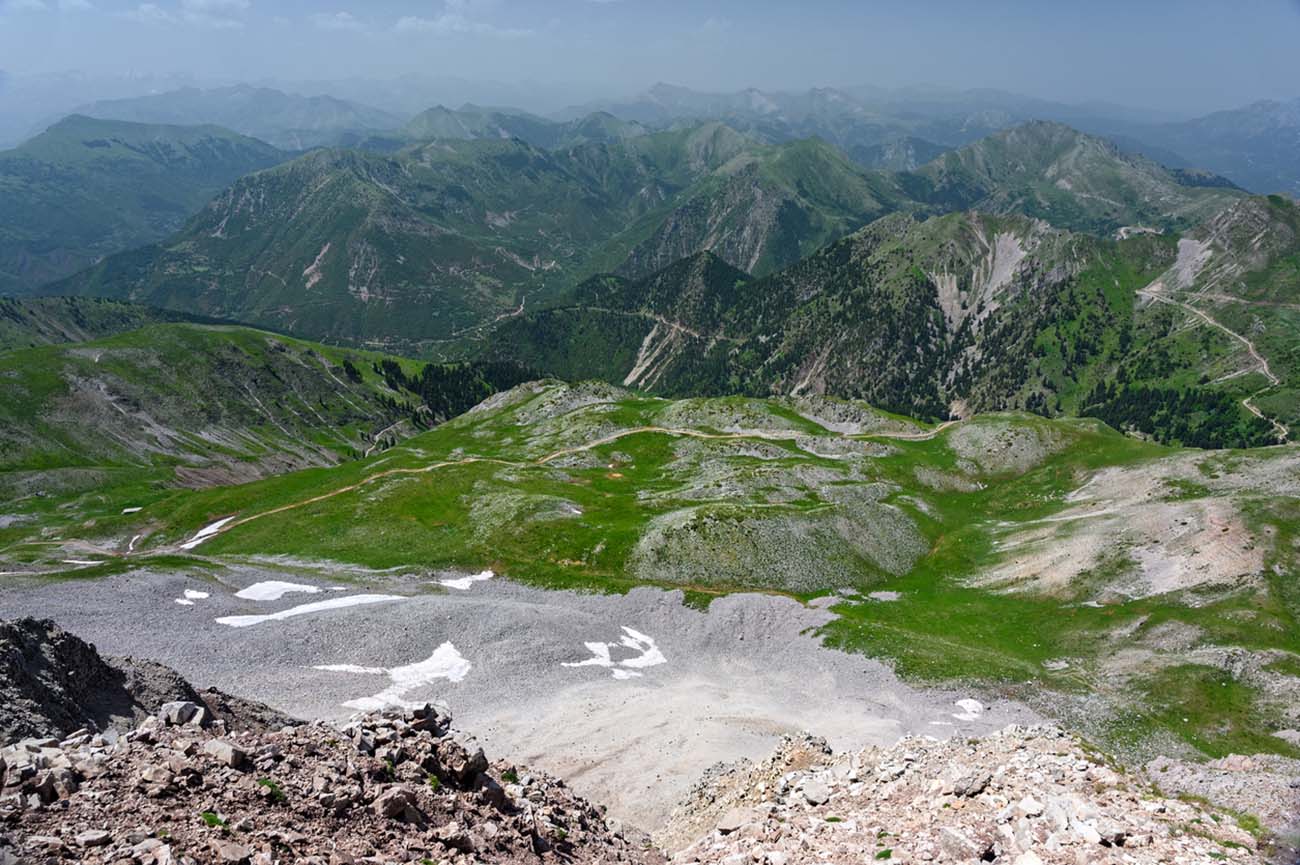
x,y
273,590
445,663
627,668
463,583
971,710
204,533
307,609
191,595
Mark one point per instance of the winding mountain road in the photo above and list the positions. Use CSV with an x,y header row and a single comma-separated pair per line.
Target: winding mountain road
x,y
1261,362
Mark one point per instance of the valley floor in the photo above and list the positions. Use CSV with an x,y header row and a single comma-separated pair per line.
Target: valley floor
x,y
629,697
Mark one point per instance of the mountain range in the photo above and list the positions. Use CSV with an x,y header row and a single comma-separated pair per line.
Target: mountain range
x,y
1253,146
286,120
418,250
964,313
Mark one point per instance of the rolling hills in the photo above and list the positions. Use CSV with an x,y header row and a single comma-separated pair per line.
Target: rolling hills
x,y
1254,145
88,188
1049,171
470,122
52,320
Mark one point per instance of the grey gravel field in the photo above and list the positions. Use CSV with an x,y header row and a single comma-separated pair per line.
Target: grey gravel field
x,y
629,697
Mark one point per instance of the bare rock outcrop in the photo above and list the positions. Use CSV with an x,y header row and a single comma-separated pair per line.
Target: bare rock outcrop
x,y
53,683
397,787
1024,796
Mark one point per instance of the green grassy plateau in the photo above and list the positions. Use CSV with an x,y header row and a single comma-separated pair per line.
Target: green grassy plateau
x,y
1054,560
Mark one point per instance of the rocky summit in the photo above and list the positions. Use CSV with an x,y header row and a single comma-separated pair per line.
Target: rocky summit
x,y
1025,795
399,787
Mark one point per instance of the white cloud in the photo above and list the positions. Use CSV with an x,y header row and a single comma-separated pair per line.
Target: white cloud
x,y
149,13
23,6
337,21
216,14
460,16
215,7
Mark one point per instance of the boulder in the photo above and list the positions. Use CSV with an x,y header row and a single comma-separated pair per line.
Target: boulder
x,y
397,803
816,792
178,712
93,838
225,753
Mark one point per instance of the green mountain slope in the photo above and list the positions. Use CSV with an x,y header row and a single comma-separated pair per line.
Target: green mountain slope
x,y
764,210
1045,560
954,314
417,250
53,320
1225,315
182,403
112,421
87,188
471,122
420,251
1050,171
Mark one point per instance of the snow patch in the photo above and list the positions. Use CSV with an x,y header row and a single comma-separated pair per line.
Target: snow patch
x,y
206,532
445,663
184,603
307,609
971,710
648,655
463,583
194,595
132,510
273,590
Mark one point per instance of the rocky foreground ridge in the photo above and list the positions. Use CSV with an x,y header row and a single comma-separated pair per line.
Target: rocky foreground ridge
x,y
1023,796
396,787
218,780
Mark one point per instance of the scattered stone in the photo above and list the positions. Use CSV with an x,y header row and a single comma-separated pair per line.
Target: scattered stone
x,y
816,792
972,785
734,819
1022,796
312,799
225,753
93,838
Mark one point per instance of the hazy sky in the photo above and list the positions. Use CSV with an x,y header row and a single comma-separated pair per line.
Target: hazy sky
x,y
1182,55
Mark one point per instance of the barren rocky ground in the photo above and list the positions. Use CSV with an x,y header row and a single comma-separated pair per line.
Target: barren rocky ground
x,y
634,731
